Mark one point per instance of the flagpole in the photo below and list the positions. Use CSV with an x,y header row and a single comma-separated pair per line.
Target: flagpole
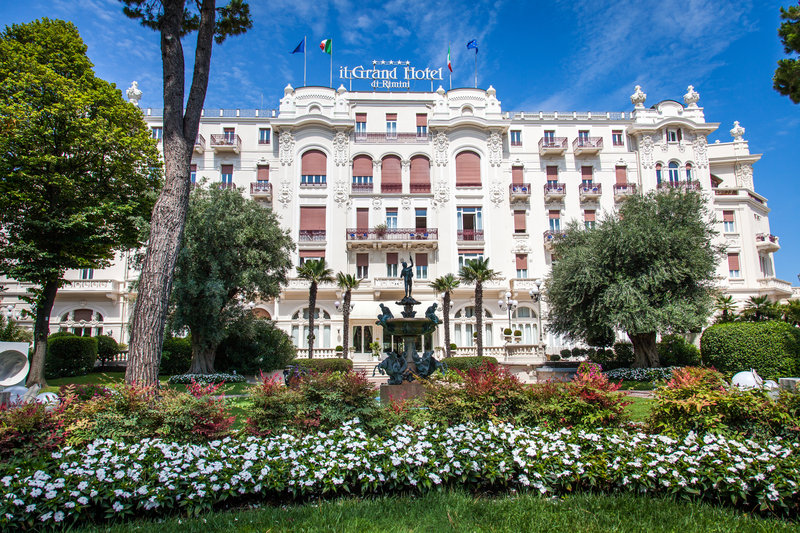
x,y
305,56
476,68
449,61
331,79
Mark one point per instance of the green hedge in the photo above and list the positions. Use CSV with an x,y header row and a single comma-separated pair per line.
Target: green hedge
x,y
69,355
467,363
675,350
254,347
176,356
107,348
771,348
324,365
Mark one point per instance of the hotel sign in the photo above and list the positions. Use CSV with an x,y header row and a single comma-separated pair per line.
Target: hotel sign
x,y
390,74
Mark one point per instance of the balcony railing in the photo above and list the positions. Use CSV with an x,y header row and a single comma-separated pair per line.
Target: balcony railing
x,y
587,145
519,192
767,242
200,144
391,188
389,138
309,180
554,191
261,188
687,185
624,190
420,188
590,192
552,235
361,187
470,235
225,142
307,235
392,234
552,145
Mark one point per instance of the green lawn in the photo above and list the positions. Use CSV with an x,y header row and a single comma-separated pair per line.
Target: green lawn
x,y
107,378
639,409
457,511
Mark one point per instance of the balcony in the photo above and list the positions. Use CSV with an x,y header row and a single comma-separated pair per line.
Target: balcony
x,y
590,193
390,138
391,188
199,144
554,192
766,242
420,188
685,185
311,235
361,188
775,287
261,190
623,191
552,146
422,238
226,143
587,145
470,235
551,236
519,192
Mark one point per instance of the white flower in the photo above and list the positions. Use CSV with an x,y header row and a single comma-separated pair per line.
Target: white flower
x,y
117,507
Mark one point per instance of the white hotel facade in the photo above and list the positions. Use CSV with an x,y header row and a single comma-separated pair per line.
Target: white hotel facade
x,y
369,179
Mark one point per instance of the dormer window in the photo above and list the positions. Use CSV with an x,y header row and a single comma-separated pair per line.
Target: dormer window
x,y
674,135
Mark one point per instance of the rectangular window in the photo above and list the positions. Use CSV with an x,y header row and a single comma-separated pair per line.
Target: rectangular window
x,y
468,255
422,126
549,137
516,138
552,175
227,174
469,223
729,226
362,219
157,132
616,137
361,125
583,137
589,218
766,266
519,221
262,173
263,135
391,218
230,134
621,175
733,266
421,264
362,266
421,218
586,176
391,125
87,273
391,265
311,255
522,265
555,220
193,173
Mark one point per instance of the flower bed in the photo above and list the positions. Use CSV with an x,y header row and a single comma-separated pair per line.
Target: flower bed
x,y
642,374
186,379
115,479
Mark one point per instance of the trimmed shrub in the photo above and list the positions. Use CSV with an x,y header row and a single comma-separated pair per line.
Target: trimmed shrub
x,y
176,355
675,350
467,363
70,355
253,347
218,377
771,348
324,365
566,353
107,348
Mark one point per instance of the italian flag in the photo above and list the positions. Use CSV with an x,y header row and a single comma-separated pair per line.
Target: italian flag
x,y
449,65
326,45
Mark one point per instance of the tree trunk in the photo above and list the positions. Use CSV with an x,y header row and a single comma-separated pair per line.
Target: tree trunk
x,y
41,328
446,311
346,323
479,316
202,357
312,304
169,212
645,350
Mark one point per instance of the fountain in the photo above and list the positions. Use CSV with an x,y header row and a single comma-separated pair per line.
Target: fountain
x,y
404,368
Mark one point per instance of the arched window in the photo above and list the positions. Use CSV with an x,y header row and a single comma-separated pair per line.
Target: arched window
x,y
82,322
420,174
688,172
322,328
464,327
262,314
468,169
674,176
524,319
658,173
362,173
314,168
391,174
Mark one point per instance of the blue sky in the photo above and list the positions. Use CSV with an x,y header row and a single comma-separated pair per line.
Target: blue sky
x,y
556,55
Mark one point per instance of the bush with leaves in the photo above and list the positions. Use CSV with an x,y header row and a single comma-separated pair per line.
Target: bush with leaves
x,y
198,415
107,348
675,350
323,365
254,345
771,348
467,363
29,429
70,355
11,332
176,355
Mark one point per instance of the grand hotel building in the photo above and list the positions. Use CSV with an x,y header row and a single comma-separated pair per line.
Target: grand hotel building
x,y
369,179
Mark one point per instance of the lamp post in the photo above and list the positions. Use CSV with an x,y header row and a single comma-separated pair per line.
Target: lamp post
x,y
508,305
536,294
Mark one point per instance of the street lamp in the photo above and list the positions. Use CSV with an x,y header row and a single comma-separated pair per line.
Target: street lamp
x,y
338,304
536,297
508,305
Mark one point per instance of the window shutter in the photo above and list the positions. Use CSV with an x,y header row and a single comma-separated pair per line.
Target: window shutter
x,y
314,163
193,168
420,170
391,116
422,119
312,218
361,117
362,260
622,175
522,261
589,215
311,253
468,169
470,251
391,258
391,173
554,213
362,165
516,175
362,218
227,169
263,173
83,314
727,216
421,259
552,173
586,173
519,221
733,261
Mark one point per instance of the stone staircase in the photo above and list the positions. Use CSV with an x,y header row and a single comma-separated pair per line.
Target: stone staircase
x,y
367,367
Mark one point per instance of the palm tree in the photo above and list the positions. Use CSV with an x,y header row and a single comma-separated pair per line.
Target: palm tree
x,y
477,271
727,307
446,285
316,271
791,312
346,282
759,308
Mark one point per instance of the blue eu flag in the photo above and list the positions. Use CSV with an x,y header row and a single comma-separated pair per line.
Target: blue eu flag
x,y
300,48
473,44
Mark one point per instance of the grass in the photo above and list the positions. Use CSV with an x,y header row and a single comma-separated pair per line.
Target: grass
x,y
109,378
639,409
460,511
637,385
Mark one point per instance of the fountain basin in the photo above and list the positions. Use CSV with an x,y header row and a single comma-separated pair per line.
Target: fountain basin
x,y
408,327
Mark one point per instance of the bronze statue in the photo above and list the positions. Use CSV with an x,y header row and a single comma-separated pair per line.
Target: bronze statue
x,y
385,315
430,314
407,273
394,366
